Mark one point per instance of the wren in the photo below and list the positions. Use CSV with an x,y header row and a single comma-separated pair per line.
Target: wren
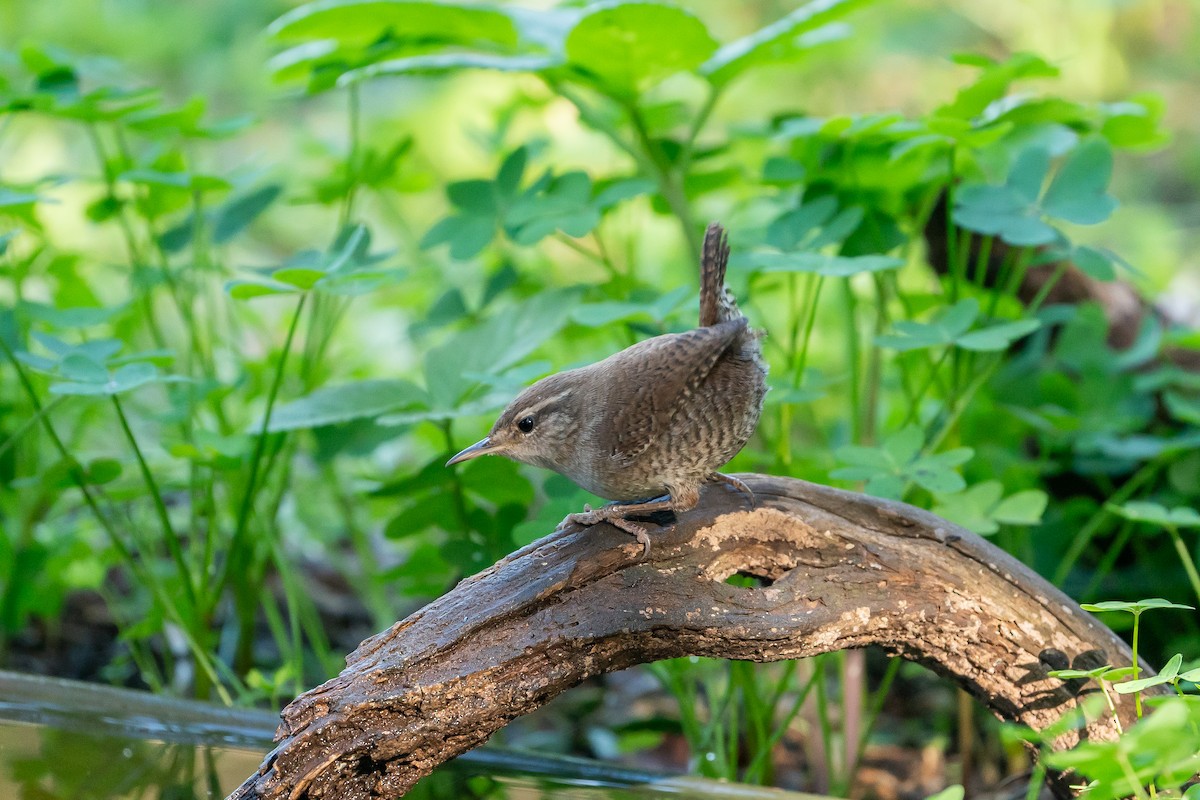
x,y
646,426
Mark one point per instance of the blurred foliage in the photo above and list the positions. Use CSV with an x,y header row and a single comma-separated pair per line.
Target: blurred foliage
x,y
256,287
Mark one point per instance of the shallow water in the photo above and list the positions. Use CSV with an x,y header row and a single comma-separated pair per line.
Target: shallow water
x,y
62,740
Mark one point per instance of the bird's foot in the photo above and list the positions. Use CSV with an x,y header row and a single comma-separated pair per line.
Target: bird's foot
x,y
736,483
617,515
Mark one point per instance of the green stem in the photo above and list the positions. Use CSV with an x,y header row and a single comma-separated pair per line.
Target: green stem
x,y
147,577
25,426
1111,554
1092,526
853,357
914,409
670,186
981,261
1044,292
355,132
809,323
164,518
1137,696
135,258
75,471
961,404
1189,565
236,543
957,266
762,757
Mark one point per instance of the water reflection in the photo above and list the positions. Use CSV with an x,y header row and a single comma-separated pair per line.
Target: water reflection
x,y
61,740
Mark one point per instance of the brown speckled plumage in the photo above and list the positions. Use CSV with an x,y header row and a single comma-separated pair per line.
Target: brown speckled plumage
x,y
658,418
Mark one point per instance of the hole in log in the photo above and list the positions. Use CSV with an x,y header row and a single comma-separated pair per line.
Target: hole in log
x,y
749,580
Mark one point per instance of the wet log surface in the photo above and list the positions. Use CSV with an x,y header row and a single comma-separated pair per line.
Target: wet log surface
x,y
840,570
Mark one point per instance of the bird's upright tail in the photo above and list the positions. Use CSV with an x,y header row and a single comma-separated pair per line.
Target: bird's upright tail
x,y
717,304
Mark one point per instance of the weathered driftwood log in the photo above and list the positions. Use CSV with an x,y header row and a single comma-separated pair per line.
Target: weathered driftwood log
x,y
841,570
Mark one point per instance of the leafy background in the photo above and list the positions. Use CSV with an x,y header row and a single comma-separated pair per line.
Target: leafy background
x,y
265,267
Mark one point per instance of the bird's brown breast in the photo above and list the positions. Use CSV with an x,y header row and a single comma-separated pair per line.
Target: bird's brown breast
x,y
658,420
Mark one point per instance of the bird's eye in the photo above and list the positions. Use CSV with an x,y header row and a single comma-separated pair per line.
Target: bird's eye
x,y
525,425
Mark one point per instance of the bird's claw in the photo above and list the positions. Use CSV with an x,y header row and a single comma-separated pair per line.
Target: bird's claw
x,y
613,514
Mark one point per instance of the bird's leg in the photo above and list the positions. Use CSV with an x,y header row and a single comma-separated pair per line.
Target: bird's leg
x,y
617,514
736,483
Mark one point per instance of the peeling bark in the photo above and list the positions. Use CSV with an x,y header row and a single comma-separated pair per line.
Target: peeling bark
x,y
842,570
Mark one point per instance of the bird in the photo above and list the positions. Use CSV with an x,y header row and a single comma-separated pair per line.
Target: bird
x,y
647,426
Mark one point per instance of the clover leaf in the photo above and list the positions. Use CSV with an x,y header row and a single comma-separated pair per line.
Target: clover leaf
x,y
92,368
888,468
982,508
569,202
1015,210
348,267
1143,511
953,325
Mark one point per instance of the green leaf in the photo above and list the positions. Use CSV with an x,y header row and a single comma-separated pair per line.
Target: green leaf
x,y
783,41
1133,607
507,336
361,22
1135,123
955,792
186,181
935,473
102,470
904,445
71,317
1028,172
997,337
596,315
131,376
626,47
508,177
1076,674
1095,263
11,198
972,508
821,264
1184,409
796,227
891,466
82,368
1079,191
993,82
499,481
780,170
1001,211
449,62
947,325
610,193
244,290
333,405
235,215
478,196
564,205
1129,687
1022,508
1167,675
299,277
1143,511
981,509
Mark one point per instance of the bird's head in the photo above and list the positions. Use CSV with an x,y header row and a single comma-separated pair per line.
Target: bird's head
x,y
540,427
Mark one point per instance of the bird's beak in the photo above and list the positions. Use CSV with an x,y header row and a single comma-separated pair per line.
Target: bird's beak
x,y
480,448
